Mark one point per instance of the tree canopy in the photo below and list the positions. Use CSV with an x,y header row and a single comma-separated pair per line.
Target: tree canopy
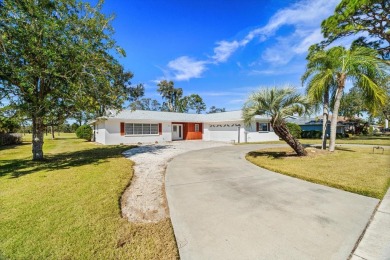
x,y
214,109
176,102
352,17
59,51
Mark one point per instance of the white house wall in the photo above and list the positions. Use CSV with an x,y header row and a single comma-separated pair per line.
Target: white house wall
x,y
228,131
100,132
108,132
225,132
113,136
261,136
254,136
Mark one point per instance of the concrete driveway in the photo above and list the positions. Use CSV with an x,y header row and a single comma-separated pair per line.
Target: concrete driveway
x,y
223,207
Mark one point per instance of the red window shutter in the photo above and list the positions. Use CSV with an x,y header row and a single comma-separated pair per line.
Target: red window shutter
x,y
122,128
257,126
160,129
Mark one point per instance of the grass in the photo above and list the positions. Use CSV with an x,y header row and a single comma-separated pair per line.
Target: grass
x,y
67,207
364,140
353,169
361,140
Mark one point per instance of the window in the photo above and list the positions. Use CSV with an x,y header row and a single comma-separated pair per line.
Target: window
x,y
196,127
262,127
141,129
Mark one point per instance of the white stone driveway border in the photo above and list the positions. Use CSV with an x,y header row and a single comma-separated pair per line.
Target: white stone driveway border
x,y
144,200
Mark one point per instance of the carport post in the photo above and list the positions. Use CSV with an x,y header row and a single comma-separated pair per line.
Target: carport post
x,y
239,130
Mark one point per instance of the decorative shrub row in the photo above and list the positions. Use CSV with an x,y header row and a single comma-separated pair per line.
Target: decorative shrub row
x,y
8,139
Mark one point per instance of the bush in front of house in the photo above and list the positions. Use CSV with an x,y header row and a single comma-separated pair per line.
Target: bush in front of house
x,y
312,134
340,136
9,139
84,132
294,129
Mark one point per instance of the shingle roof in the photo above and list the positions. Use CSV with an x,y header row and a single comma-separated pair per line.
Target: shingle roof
x,y
179,117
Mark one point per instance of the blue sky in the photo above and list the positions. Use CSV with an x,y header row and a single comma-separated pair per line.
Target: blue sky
x,y
220,49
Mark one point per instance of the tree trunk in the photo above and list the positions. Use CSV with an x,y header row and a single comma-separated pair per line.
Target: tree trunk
x,y
52,132
37,138
281,130
333,123
325,116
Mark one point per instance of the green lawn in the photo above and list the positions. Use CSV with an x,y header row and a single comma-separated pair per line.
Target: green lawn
x,y
67,207
369,140
364,140
353,169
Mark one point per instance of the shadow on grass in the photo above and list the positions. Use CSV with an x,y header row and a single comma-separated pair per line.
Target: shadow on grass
x,y
344,149
375,137
63,138
13,146
274,155
19,167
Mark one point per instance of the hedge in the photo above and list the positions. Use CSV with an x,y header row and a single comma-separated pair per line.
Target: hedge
x,y
294,129
8,139
84,132
315,134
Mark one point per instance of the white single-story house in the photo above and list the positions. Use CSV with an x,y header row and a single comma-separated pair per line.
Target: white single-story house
x,y
130,127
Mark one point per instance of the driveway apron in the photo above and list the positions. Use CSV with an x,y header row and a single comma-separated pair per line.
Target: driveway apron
x,y
223,207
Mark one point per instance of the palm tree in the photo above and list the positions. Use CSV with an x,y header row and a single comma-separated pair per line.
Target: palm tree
x,y
337,65
319,72
278,103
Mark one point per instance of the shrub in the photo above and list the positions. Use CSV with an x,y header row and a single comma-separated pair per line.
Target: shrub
x,y
341,136
312,134
294,129
8,139
84,132
370,130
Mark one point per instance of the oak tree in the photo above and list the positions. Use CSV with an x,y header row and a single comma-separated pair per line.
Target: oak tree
x,y
59,50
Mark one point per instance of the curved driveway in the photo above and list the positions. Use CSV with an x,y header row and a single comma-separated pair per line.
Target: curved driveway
x,y
223,207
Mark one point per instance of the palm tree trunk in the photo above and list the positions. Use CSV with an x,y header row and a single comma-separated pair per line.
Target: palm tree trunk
x,y
333,123
281,130
325,116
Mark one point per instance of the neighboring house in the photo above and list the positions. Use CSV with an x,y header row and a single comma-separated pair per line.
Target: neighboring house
x,y
129,127
315,124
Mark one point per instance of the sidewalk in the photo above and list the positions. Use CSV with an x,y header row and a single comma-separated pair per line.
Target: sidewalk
x,y
375,243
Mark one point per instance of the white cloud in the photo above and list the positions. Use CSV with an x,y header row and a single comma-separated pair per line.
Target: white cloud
x,y
304,16
224,50
185,68
304,13
277,56
307,39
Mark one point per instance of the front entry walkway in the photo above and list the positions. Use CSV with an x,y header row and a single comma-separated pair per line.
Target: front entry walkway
x,y
223,207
